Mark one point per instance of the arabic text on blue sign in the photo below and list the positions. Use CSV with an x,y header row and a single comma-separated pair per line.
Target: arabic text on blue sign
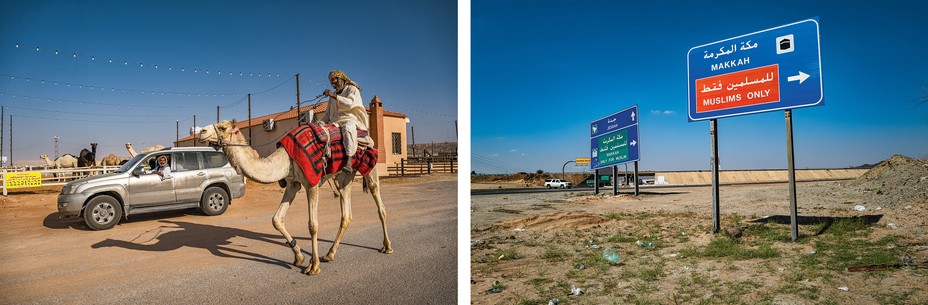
x,y
614,139
773,69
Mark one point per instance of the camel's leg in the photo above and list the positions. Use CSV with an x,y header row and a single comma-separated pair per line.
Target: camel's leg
x,y
345,200
374,184
278,221
312,196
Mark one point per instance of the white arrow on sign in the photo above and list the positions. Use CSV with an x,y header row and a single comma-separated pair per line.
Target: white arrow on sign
x,y
633,116
633,143
801,77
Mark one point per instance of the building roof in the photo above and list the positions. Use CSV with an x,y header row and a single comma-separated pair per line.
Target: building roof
x,y
291,114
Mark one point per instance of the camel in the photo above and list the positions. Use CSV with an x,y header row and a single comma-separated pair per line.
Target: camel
x,y
110,160
150,148
66,161
278,165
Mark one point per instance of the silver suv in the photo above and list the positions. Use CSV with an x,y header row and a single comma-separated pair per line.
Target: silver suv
x,y
200,177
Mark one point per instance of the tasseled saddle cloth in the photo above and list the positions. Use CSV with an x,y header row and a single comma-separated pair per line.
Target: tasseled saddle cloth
x,y
308,146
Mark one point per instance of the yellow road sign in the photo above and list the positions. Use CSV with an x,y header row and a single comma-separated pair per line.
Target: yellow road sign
x,y
583,161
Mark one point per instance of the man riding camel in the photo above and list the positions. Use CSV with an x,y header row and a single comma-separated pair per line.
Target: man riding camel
x,y
345,108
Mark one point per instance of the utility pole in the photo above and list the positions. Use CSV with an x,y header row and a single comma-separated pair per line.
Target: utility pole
x,y
56,147
2,115
217,114
177,132
413,140
298,98
194,127
249,118
11,140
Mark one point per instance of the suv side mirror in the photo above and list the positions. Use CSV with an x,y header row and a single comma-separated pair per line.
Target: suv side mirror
x,y
138,171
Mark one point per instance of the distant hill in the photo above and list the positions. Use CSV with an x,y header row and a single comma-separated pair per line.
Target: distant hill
x,y
867,166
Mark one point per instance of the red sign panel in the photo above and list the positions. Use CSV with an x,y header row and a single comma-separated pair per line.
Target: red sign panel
x,y
738,89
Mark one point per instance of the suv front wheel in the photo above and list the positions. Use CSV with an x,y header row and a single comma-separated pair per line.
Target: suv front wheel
x,y
102,212
215,201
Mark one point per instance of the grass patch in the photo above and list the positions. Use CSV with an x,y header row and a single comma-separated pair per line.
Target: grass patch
x,y
896,297
726,247
842,253
593,261
505,254
768,232
847,228
647,271
621,238
554,254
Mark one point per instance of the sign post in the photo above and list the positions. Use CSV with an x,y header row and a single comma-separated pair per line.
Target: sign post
x,y
614,141
769,70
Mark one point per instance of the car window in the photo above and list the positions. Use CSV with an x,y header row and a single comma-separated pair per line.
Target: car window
x,y
152,161
214,159
186,160
125,167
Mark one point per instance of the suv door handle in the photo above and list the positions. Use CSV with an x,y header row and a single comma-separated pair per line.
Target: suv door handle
x,y
201,174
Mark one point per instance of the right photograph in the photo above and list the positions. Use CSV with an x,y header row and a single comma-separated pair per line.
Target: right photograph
x,y
681,152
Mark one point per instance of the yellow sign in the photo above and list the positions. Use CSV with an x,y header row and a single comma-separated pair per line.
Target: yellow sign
x,y
581,161
26,179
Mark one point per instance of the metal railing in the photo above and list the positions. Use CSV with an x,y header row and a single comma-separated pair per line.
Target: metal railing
x,y
424,165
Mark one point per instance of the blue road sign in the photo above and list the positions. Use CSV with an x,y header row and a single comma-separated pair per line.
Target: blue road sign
x,y
773,69
614,139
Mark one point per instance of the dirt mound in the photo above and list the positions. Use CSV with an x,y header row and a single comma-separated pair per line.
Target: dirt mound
x,y
899,180
559,220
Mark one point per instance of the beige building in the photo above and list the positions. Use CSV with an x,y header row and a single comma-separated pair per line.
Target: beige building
x,y
387,128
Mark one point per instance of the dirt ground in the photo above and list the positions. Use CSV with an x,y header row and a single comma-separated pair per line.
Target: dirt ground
x,y
185,257
534,248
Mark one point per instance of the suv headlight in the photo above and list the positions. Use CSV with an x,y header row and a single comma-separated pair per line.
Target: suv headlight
x,y
71,187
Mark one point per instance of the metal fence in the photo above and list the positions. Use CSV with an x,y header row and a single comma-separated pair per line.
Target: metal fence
x,y
424,165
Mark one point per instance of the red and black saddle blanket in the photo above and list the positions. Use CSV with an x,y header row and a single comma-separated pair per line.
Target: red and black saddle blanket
x,y
306,145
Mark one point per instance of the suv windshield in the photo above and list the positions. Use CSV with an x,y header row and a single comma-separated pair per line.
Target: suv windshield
x,y
125,167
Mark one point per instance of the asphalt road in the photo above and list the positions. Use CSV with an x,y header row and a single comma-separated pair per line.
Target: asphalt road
x,y
238,257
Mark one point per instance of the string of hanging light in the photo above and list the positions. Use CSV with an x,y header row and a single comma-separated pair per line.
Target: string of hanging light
x,y
93,121
136,63
37,98
147,115
422,112
111,89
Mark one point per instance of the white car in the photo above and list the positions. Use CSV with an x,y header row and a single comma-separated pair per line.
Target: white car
x,y
558,183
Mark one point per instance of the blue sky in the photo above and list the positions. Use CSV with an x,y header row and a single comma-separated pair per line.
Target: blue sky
x,y
543,70
404,52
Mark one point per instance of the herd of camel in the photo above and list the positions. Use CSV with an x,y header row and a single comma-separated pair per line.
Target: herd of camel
x,y
87,158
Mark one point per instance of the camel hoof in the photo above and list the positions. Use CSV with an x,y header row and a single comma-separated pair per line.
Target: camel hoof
x,y
328,258
386,250
299,261
312,270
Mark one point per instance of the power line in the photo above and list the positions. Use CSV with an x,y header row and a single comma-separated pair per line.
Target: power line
x,y
488,162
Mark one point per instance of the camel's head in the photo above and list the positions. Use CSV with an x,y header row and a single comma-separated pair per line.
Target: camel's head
x,y
128,145
43,157
218,133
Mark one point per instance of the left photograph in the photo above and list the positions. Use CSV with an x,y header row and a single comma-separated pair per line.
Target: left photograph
x,y
207,152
